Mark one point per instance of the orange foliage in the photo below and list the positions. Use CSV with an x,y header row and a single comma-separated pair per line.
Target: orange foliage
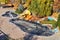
x,y
31,18
55,15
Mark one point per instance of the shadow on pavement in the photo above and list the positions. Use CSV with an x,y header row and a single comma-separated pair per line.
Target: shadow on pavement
x,y
32,27
3,36
9,14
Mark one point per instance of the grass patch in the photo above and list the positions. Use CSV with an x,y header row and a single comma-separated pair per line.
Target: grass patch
x,y
48,22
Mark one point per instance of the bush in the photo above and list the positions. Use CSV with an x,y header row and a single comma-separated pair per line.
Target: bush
x,y
57,24
41,7
20,9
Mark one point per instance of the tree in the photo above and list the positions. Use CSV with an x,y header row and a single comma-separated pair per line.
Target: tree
x,y
41,7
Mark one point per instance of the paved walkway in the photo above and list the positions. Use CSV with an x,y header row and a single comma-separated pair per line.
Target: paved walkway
x,y
14,32
8,28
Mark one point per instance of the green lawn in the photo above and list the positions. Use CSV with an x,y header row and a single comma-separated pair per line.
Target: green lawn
x,y
48,22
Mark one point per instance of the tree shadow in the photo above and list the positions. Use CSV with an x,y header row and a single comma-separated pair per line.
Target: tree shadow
x,y
9,14
32,28
3,36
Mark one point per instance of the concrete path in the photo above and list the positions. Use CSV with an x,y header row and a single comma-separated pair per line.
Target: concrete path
x,y
8,28
14,32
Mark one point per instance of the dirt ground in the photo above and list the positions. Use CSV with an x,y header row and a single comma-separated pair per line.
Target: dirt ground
x,y
14,32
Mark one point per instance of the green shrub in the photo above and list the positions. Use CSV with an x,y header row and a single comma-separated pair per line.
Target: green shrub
x,y
41,7
57,24
20,9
